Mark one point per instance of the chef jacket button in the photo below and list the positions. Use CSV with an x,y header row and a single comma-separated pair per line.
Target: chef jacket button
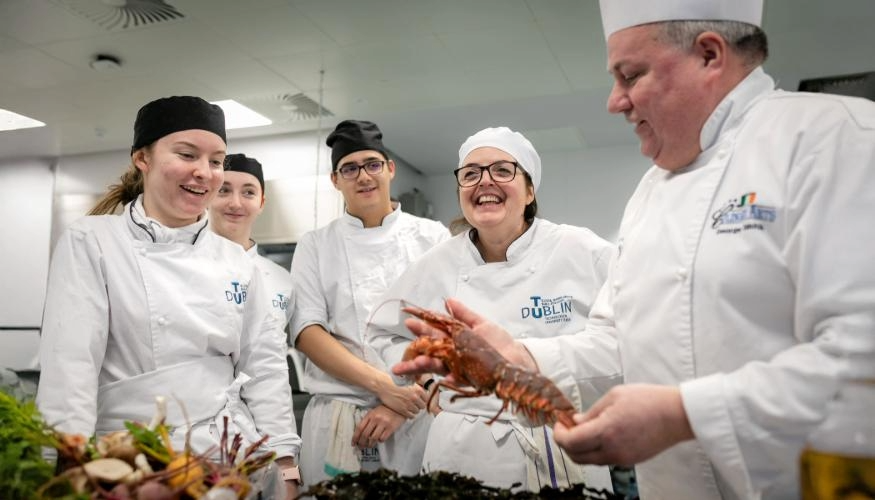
x,y
142,251
681,273
162,321
464,277
616,284
532,269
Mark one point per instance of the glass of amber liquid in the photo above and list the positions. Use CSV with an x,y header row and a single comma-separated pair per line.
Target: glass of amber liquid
x,y
839,461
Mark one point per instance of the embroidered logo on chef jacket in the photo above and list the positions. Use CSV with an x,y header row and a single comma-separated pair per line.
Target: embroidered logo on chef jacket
x,y
281,302
742,214
237,293
549,310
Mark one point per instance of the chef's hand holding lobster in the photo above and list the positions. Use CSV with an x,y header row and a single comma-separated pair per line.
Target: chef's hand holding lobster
x,y
629,424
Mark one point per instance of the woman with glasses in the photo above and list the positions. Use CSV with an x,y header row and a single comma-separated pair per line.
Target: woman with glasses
x,y
358,417
536,277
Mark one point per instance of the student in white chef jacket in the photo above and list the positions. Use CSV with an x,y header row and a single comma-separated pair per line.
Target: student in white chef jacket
x,y
745,274
535,277
232,214
141,301
358,418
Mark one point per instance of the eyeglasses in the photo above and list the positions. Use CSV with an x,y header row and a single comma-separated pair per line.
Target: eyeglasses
x,y
500,171
352,171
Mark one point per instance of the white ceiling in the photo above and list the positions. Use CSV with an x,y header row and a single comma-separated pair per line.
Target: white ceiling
x,y
429,72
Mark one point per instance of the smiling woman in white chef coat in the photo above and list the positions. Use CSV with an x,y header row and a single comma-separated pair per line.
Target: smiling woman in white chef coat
x,y
537,277
141,301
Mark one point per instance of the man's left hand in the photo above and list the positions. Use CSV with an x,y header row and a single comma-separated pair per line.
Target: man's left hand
x,y
377,425
628,425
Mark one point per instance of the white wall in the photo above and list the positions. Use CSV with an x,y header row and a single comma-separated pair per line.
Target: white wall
x,y
26,200
582,187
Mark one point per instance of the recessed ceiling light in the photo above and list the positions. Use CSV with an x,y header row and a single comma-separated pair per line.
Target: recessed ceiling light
x,y
239,116
14,121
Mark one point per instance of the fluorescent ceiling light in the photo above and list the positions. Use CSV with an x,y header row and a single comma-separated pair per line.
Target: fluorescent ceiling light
x,y
239,116
14,121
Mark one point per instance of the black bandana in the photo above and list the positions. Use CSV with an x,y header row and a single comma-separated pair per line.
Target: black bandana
x,y
241,163
173,114
354,135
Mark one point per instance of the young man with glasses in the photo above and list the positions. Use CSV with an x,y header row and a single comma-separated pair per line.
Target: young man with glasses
x,y
358,418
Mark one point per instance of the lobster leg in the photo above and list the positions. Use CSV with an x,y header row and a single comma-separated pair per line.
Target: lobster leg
x,y
503,407
461,392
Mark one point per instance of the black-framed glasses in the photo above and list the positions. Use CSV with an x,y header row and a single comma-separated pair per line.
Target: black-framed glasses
x,y
351,171
500,171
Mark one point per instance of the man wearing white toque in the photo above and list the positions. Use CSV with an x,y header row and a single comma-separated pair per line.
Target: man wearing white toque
x,y
744,274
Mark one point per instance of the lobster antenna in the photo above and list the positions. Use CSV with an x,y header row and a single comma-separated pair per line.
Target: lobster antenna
x,y
370,322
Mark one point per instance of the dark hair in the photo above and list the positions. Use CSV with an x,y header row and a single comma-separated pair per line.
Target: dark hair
x,y
460,224
745,39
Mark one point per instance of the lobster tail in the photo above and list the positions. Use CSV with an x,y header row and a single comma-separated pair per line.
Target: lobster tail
x,y
535,396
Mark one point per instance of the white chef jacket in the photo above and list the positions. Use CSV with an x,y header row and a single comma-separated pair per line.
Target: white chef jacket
x,y
134,307
744,279
544,289
278,283
338,273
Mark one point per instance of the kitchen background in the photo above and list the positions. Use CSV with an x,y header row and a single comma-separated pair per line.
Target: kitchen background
x,y
429,72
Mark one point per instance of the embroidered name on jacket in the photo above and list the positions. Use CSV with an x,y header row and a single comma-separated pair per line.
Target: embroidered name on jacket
x,y
237,293
742,214
281,302
549,310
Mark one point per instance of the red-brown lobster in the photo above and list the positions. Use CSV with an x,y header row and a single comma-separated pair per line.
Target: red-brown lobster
x,y
474,362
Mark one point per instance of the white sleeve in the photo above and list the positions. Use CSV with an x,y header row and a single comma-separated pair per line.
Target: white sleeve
x,y
753,422
310,306
263,358
74,334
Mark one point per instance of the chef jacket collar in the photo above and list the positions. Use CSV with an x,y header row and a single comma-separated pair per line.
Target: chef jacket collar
x,y
142,226
727,114
353,221
516,249
253,250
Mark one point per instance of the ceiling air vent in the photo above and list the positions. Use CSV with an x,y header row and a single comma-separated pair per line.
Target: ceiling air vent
x,y
120,15
301,107
288,107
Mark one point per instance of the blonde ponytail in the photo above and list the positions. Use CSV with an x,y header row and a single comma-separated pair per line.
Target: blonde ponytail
x,y
129,187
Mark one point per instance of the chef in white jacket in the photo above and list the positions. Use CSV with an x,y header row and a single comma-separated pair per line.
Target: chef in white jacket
x,y
144,299
537,278
238,203
745,266
358,418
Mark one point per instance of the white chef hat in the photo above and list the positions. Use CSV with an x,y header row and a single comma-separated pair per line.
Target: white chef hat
x,y
513,143
621,14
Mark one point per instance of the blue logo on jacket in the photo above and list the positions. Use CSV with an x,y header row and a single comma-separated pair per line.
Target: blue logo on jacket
x,y
550,310
281,302
741,214
237,294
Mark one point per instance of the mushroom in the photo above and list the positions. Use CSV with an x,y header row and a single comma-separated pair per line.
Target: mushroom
x,y
111,470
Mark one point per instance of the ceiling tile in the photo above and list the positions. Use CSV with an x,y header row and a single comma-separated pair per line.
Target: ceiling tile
x,y
40,21
31,69
180,48
268,31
